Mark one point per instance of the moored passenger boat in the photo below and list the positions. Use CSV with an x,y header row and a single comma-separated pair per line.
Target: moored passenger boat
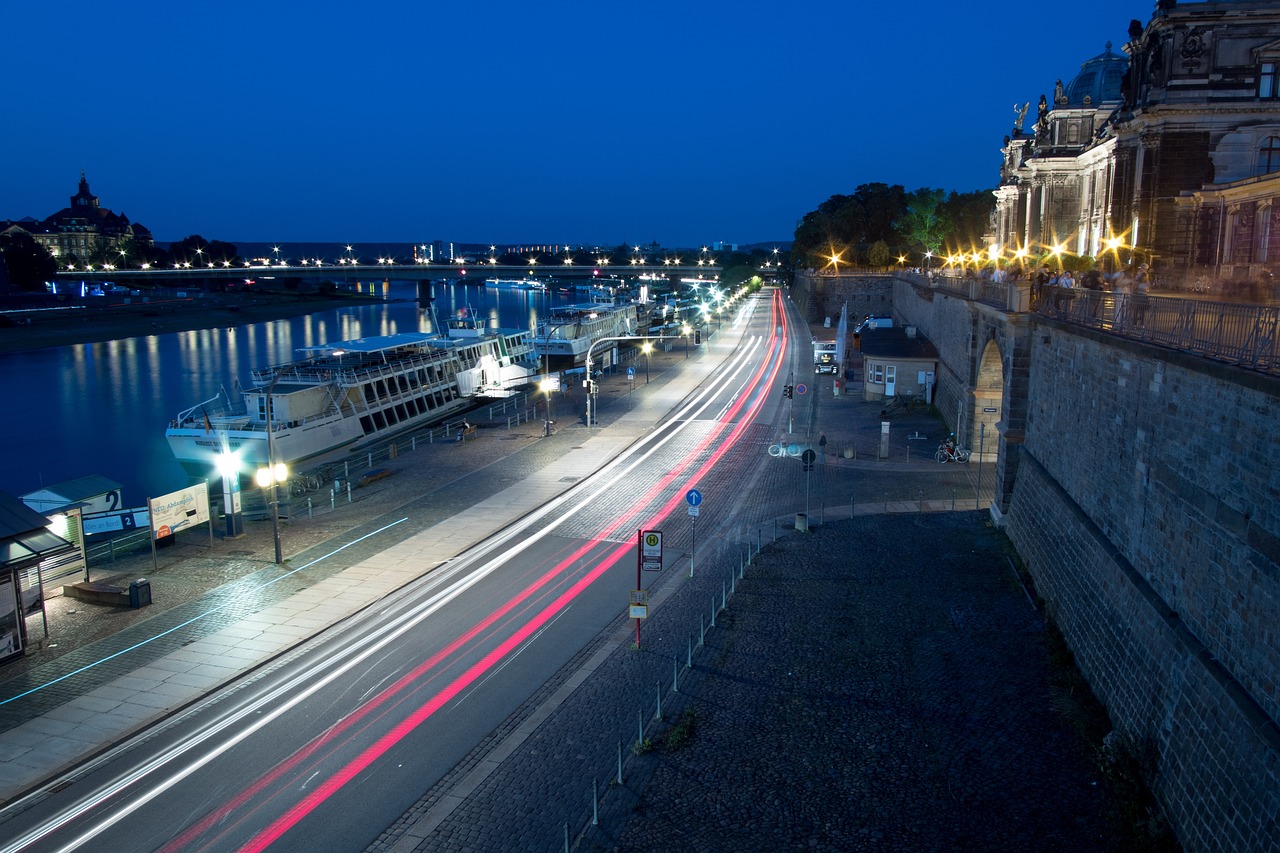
x,y
566,334
350,393
516,284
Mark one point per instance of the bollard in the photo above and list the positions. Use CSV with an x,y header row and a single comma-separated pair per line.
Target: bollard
x,y
333,499
713,611
640,729
702,629
688,660
675,674
413,442
370,458
658,714
348,491
310,514
724,596
595,803
619,761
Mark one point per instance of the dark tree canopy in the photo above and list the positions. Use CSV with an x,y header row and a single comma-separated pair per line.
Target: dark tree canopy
x,y
198,251
906,223
28,264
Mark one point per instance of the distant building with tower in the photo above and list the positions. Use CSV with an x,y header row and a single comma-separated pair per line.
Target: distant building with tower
x,y
84,229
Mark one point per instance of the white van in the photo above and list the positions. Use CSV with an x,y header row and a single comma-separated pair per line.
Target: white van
x,y
873,322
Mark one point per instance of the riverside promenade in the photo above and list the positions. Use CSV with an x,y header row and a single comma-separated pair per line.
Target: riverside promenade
x,y
880,683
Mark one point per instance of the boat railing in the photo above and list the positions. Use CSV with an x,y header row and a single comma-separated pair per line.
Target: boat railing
x,y
218,410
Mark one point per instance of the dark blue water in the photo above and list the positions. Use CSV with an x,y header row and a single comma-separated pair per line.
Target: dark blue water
x,y
102,408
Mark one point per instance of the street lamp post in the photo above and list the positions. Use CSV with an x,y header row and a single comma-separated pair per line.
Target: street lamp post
x,y
276,472
546,389
590,350
646,348
229,467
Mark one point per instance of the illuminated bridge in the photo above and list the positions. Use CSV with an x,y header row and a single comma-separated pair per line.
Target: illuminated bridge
x,y
477,272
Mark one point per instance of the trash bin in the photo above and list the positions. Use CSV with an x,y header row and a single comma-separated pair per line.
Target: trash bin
x,y
139,593
802,522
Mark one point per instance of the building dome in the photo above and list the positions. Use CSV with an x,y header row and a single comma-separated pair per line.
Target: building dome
x,y
1099,80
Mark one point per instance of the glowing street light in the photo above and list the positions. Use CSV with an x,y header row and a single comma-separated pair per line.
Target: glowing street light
x,y
228,465
275,473
547,385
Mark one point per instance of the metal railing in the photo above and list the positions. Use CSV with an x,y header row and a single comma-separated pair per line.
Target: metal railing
x,y
1241,334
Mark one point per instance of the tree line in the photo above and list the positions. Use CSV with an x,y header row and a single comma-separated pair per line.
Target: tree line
x,y
879,223
29,264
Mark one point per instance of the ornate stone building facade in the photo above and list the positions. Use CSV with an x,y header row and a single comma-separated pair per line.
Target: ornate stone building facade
x,y
85,229
1168,154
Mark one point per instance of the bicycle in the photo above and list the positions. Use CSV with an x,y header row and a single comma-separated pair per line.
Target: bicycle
x,y
949,452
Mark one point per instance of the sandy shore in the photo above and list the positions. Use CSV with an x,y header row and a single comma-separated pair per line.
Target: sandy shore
x,y
114,321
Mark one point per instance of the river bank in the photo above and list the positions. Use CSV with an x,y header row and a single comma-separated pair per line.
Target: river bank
x,y
87,323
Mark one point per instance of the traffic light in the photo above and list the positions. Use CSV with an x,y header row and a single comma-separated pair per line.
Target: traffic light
x,y
697,337
788,391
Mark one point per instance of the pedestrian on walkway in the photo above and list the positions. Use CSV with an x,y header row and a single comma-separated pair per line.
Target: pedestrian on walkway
x,y
822,443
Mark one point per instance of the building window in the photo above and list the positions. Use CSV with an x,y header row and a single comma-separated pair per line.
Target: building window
x,y
877,374
1268,80
1269,156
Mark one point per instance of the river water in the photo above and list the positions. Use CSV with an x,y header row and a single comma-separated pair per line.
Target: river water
x,y
102,408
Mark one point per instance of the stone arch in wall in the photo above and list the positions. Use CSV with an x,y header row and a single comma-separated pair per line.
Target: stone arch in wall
x,y
988,398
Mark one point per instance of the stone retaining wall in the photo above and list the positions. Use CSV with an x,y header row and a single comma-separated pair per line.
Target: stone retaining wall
x,y
1146,511
1144,498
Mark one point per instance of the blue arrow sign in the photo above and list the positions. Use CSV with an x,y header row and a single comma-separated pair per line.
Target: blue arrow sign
x,y
693,496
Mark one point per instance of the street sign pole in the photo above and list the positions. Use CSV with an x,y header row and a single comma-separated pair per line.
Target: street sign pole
x,y
694,498
693,550
639,584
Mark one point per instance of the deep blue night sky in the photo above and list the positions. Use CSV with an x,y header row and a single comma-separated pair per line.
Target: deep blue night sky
x,y
561,122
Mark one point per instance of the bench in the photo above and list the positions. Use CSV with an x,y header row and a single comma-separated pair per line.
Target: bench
x,y
138,594
373,476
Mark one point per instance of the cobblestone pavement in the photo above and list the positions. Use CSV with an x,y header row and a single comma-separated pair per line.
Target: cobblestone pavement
x,y
880,685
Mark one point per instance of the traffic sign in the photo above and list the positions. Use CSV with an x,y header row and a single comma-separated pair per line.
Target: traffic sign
x,y
651,550
693,496
801,388
631,371
808,458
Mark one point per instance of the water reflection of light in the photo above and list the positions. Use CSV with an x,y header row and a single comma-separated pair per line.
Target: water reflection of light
x,y
103,408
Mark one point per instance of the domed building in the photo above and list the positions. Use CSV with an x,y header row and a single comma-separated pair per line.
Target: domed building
x,y
1161,152
84,228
